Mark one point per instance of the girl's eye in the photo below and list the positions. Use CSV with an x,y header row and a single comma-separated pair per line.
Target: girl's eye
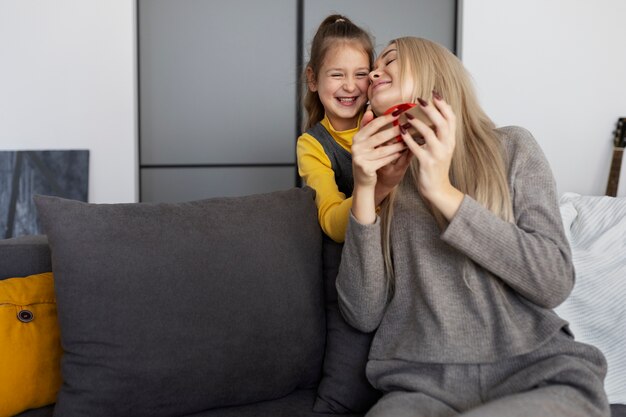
x,y
390,61
336,75
362,74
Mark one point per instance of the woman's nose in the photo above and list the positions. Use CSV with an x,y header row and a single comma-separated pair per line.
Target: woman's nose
x,y
374,74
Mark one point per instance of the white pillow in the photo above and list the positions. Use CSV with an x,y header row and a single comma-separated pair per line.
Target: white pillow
x,y
596,309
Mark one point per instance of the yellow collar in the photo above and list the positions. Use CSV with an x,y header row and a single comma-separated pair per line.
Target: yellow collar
x,y
343,137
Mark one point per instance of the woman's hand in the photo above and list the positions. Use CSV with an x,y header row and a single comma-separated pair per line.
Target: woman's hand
x,y
373,148
390,175
435,155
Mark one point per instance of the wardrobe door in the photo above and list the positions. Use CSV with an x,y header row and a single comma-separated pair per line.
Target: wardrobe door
x,y
185,184
217,93
218,86
435,20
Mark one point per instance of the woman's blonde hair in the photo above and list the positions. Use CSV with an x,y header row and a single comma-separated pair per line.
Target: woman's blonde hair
x,y
333,29
478,167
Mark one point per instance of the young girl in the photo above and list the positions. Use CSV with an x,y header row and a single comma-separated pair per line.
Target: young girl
x,y
459,273
337,80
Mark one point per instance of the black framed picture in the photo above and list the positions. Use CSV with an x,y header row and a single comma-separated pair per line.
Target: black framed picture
x,y
23,174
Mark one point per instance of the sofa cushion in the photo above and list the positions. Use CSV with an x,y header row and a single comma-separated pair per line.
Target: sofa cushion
x,y
297,404
294,408
171,309
24,255
344,387
30,350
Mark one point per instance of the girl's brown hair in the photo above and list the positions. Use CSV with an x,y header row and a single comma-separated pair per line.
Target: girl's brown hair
x,y
334,28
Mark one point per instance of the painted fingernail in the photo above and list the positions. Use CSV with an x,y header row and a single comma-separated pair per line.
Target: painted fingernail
x,y
437,95
410,116
402,129
396,112
422,102
406,125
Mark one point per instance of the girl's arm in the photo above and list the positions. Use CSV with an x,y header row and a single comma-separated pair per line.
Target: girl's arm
x,y
361,284
315,168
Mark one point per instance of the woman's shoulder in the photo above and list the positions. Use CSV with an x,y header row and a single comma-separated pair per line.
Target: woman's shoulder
x,y
514,134
520,145
517,139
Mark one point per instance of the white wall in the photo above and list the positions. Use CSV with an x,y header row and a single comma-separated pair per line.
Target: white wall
x,y
558,68
67,81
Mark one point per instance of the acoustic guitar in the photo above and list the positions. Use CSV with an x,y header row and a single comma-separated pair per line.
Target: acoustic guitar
x,y
619,141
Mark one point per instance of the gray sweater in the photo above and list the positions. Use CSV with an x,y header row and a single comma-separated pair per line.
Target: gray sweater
x,y
480,291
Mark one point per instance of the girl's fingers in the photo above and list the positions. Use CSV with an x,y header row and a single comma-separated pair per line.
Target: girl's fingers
x,y
379,153
374,125
368,116
372,161
382,162
384,151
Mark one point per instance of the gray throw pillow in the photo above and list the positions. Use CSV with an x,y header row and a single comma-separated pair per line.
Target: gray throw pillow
x,y
171,309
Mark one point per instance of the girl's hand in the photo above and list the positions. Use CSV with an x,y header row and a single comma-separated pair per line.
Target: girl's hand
x,y
373,147
435,155
390,175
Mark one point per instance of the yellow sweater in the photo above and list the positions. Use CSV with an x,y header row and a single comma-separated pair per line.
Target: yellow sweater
x,y
314,166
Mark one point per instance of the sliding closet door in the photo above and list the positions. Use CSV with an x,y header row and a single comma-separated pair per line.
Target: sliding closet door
x,y
217,92
435,20
218,86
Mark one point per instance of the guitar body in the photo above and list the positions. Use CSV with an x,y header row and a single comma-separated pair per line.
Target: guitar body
x,y
619,141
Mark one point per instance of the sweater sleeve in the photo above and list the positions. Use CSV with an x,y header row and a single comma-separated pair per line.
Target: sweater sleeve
x,y
531,255
362,290
314,166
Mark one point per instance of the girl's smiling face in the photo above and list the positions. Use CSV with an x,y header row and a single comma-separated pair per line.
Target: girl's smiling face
x,y
386,88
342,84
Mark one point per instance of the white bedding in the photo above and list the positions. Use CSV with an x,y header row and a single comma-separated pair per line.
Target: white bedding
x,y
596,309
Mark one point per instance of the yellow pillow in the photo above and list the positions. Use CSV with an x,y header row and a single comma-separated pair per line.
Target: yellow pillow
x,y
30,349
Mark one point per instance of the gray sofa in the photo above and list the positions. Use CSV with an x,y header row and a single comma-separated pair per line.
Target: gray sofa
x,y
220,307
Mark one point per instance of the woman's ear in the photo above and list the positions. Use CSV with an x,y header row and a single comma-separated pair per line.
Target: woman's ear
x,y
311,82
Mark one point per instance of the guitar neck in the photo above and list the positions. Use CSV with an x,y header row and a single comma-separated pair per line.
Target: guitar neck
x,y
616,165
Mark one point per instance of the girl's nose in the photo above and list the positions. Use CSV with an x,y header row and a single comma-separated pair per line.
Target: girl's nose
x,y
350,84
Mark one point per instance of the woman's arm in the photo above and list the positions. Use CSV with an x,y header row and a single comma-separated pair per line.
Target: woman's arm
x,y
531,255
362,291
373,152
361,284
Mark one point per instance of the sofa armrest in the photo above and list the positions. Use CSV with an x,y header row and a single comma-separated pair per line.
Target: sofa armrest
x,y
24,255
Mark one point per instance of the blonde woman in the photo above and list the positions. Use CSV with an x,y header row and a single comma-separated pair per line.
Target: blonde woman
x,y
459,269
